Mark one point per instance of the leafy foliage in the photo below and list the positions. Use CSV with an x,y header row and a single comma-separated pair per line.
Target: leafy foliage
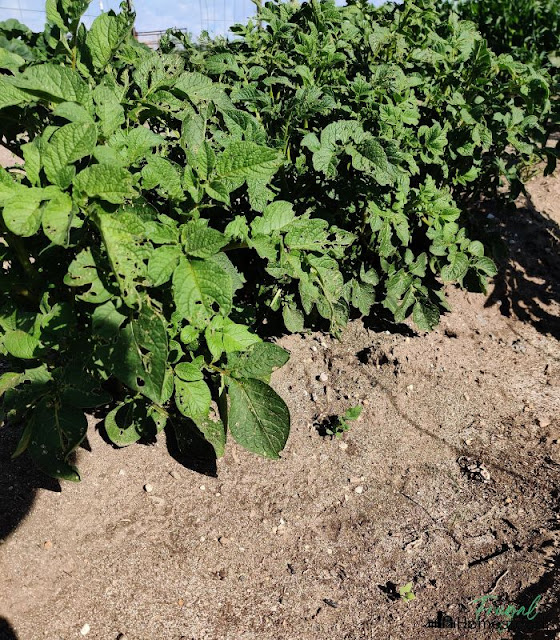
x,y
528,30
170,201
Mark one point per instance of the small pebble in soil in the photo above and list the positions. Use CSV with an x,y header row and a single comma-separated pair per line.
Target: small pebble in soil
x,y
314,348
175,474
314,397
85,629
543,422
343,446
48,544
148,488
410,387
323,377
202,487
359,489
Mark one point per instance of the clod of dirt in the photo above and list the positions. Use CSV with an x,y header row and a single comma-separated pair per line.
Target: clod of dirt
x,y
474,469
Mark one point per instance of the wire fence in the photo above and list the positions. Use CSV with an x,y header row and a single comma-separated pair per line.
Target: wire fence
x,y
194,16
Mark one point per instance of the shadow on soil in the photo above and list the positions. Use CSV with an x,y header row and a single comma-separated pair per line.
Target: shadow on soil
x,y
528,281
6,631
546,624
19,482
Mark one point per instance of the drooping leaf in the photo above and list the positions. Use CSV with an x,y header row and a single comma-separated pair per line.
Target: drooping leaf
x,y
258,418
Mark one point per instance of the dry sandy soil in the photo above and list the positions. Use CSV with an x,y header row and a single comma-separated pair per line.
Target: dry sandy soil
x,y
314,546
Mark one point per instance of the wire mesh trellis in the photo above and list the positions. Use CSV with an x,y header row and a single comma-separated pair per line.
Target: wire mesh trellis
x,y
217,16
32,12
195,16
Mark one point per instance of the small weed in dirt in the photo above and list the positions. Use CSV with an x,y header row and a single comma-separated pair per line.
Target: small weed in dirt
x,y
336,426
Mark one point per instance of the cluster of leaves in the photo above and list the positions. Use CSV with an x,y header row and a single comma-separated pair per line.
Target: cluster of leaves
x,y
169,201
529,30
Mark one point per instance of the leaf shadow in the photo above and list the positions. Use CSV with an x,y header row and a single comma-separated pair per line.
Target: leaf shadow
x,y
527,286
195,453
19,482
6,631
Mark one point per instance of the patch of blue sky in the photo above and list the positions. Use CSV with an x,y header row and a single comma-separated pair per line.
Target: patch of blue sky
x,y
214,16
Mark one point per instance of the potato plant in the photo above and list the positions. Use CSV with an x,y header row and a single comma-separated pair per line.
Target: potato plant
x,y
312,169
529,30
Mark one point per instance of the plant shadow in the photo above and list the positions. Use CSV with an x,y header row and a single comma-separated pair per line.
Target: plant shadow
x,y
195,453
19,482
545,625
527,286
6,631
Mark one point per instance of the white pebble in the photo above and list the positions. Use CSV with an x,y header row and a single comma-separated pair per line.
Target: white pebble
x,y
148,488
175,474
202,487
359,489
85,629
323,377
343,446
410,387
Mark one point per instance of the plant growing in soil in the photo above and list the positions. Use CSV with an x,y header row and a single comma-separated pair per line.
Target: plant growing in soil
x,y
526,29
341,424
169,201
406,593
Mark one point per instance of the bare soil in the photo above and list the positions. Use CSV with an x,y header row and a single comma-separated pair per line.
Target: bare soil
x,y
315,545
